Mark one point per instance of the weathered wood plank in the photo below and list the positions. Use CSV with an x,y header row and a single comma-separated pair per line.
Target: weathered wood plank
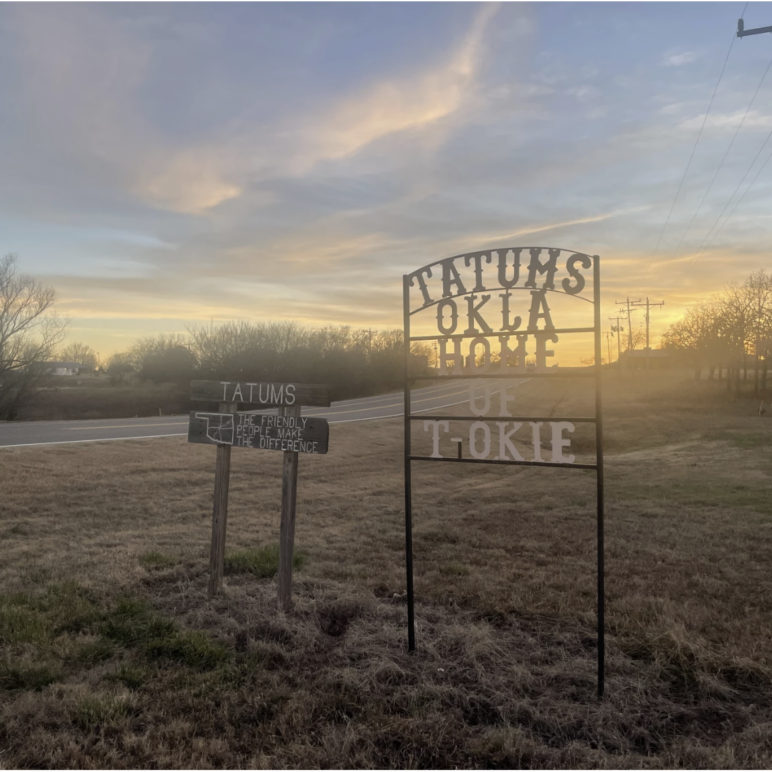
x,y
220,509
289,495
259,393
262,432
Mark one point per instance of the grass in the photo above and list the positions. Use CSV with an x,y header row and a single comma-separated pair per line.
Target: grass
x,y
131,676
17,676
454,569
112,654
48,636
262,562
133,624
153,559
93,713
739,439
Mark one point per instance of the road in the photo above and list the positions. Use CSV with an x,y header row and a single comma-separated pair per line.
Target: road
x,y
25,434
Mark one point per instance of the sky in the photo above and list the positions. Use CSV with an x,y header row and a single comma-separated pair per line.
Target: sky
x,y
170,165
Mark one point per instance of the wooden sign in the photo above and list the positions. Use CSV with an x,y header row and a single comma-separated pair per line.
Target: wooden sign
x,y
265,394
288,432
263,432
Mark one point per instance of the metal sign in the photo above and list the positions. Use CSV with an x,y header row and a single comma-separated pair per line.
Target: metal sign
x,y
263,432
491,316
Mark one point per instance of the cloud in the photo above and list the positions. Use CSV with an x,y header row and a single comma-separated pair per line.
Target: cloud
x,y
95,84
392,106
674,108
726,122
676,60
127,237
192,182
314,180
583,91
565,224
100,73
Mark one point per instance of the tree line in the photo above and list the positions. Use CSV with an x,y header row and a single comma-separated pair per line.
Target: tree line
x,y
354,362
729,333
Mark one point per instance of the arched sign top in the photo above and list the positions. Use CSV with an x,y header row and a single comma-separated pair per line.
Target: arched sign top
x,y
508,289
508,268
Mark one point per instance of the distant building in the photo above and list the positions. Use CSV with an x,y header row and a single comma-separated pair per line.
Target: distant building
x,y
636,359
61,368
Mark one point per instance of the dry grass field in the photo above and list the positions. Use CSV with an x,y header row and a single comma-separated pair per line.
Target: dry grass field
x,y
81,398
111,655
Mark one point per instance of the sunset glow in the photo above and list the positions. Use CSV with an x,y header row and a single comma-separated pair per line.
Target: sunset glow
x,y
168,165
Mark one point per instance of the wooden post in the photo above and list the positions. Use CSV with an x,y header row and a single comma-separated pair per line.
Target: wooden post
x,y
220,510
289,494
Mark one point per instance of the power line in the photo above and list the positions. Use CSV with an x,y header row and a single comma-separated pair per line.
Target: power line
x,y
739,200
704,244
753,98
697,142
630,310
726,206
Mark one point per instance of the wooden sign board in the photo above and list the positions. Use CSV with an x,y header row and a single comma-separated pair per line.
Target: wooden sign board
x,y
288,432
262,432
265,394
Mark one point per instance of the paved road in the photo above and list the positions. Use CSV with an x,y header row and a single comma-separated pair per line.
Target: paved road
x,y
22,434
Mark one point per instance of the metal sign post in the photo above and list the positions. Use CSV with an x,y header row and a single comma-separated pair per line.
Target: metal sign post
x,y
458,292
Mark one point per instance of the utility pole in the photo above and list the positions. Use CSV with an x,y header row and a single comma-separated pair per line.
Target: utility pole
x,y
742,32
648,306
618,329
628,303
608,344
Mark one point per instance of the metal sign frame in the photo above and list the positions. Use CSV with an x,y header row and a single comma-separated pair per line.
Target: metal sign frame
x,y
597,419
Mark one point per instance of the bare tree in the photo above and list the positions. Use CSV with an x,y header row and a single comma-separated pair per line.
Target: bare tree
x,y
30,331
728,330
737,327
80,353
758,288
636,336
354,362
119,367
154,346
696,334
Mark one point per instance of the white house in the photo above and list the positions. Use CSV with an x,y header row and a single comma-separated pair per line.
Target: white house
x,y
63,368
